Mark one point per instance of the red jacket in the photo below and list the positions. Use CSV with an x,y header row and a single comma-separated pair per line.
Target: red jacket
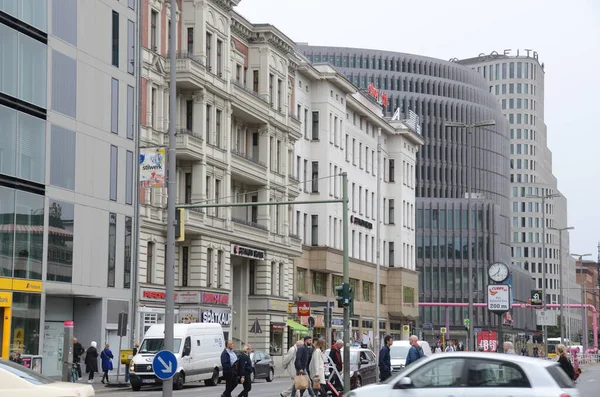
x,y
336,357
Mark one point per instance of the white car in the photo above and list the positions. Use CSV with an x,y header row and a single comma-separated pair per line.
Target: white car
x,y
471,374
399,351
19,381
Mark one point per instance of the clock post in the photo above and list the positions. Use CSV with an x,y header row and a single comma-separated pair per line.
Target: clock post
x,y
499,295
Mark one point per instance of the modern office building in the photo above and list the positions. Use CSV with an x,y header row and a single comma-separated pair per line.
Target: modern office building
x,y
439,91
67,161
341,128
517,81
236,132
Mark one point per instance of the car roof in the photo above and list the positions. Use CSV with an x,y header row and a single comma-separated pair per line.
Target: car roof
x,y
497,356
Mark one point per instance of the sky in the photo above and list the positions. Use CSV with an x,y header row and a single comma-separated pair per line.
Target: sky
x,y
566,36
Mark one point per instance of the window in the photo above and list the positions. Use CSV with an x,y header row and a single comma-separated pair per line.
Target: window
x,y
114,106
300,280
114,166
130,46
64,18
314,219
153,30
208,51
488,373
112,248
209,138
315,125
23,145
61,217
190,40
367,288
115,38
153,106
315,177
217,196
26,318
127,253
444,373
64,84
33,13
391,212
218,128
281,275
255,80
131,4
188,188
408,295
252,277
130,111
392,170
149,262
209,267
62,156
185,266
319,282
391,254
23,67
220,58
219,269
129,178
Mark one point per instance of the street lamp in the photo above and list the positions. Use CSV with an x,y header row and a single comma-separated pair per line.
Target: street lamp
x,y
544,270
583,302
560,279
469,128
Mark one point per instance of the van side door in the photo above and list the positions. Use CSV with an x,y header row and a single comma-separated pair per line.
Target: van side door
x,y
186,361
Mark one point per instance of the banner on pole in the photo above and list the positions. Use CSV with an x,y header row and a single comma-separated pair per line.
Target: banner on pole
x,y
152,167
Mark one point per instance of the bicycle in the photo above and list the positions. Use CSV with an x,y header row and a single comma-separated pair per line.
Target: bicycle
x,y
74,376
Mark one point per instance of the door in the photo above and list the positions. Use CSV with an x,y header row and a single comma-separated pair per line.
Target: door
x,y
367,367
497,377
187,362
438,378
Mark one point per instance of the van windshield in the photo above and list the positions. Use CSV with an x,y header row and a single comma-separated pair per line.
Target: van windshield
x,y
153,346
399,352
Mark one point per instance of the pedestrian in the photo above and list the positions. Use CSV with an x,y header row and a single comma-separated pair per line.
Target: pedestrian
x,y
16,358
136,348
310,348
78,351
335,356
288,366
91,361
301,365
107,364
450,347
317,367
564,362
415,352
228,360
245,371
385,362
509,348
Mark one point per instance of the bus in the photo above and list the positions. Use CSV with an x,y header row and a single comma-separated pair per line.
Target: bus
x,y
551,344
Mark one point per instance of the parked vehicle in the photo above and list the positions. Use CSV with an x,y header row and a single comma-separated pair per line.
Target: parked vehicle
x,y
197,346
475,374
399,351
262,366
363,366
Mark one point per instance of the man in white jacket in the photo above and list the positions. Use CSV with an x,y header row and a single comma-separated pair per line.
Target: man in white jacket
x,y
289,368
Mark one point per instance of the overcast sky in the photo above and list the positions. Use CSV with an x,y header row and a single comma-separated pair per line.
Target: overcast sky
x,y
566,36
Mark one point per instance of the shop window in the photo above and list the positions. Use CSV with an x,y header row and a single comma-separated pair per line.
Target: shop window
x,y
276,341
25,324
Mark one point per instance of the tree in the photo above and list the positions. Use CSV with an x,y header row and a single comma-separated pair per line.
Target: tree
x,y
554,330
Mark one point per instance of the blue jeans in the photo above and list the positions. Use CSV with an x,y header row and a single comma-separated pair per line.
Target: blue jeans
x,y
310,389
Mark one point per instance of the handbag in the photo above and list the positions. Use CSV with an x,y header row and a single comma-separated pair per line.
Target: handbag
x,y
301,382
316,383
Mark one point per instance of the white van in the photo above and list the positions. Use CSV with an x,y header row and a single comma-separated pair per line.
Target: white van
x,y
198,349
399,351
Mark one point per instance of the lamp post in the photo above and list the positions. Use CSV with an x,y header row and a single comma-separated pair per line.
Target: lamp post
x,y
560,280
470,128
583,302
544,270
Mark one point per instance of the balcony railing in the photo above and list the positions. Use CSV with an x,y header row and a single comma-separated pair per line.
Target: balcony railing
x,y
293,178
293,116
245,156
187,55
249,223
249,91
185,131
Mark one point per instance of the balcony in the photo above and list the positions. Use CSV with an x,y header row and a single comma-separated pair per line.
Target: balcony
x,y
191,72
250,229
188,143
249,100
248,167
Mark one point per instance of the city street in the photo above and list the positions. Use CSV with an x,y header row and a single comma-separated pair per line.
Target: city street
x,y
589,381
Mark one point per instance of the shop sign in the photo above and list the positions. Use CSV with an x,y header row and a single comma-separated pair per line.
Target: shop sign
x,y
303,309
216,316
188,297
361,222
214,298
380,96
280,306
6,283
21,285
278,327
247,252
5,299
488,340
319,321
154,295
337,322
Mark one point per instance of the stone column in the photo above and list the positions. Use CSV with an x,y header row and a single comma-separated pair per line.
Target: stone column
x,y
198,181
264,217
199,111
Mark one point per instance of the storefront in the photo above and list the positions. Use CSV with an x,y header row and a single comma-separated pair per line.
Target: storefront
x,y
20,309
214,308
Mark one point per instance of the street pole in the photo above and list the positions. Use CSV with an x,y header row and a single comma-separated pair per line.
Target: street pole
x,y
171,196
584,332
346,270
560,281
378,253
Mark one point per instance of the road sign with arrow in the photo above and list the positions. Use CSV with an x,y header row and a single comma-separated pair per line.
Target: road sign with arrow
x,y
164,365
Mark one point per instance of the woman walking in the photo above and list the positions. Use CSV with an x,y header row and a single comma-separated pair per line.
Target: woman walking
x,y
91,361
564,361
107,365
317,368
245,371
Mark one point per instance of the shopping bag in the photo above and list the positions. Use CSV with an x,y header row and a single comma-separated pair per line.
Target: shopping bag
x,y
301,382
316,383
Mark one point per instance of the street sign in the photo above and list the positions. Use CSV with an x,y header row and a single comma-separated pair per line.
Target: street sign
x,y
477,329
164,365
311,322
467,322
536,300
303,309
427,326
443,330
498,298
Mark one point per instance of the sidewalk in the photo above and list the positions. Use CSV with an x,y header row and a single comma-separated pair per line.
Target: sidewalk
x,y
113,386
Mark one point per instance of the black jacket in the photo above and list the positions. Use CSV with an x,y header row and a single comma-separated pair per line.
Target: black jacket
x,y
310,350
77,352
91,360
566,365
226,362
301,362
245,366
385,362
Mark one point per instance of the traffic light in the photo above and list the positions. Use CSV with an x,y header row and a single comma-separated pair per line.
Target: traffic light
x,y
180,224
351,298
342,293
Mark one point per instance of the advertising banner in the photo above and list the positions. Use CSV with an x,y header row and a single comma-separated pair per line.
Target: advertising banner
x,y
488,340
152,167
499,298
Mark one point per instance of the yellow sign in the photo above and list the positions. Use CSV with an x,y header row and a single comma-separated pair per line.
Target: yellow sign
x,y
290,308
27,285
405,328
443,330
6,283
126,356
5,299
18,337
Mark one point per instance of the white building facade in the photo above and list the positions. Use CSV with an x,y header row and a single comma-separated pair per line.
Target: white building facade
x,y
235,140
340,128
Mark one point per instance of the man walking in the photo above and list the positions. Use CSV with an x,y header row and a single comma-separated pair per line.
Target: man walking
x,y
385,362
77,352
301,365
415,352
335,355
310,348
289,368
228,360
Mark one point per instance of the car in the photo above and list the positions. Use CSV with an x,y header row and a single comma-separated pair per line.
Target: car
x,y
19,381
399,351
262,366
474,374
363,366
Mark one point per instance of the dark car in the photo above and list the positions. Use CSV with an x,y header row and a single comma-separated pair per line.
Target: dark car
x,y
363,367
262,365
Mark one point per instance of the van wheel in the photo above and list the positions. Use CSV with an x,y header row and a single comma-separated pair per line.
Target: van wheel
x,y
214,380
271,376
178,381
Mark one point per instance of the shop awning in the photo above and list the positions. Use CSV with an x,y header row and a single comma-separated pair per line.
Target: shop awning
x,y
297,327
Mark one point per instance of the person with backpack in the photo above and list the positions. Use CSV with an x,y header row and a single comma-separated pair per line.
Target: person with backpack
x,y
228,362
415,352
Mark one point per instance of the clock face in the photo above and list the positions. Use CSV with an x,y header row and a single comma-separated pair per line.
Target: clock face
x,y
498,272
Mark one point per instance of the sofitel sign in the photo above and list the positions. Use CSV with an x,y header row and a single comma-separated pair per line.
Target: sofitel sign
x,y
361,222
247,252
495,54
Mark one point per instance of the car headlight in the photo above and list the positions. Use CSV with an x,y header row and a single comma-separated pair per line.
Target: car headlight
x,y
132,367
351,373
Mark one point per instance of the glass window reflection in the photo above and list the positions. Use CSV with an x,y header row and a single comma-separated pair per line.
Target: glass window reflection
x,y
61,216
29,235
25,324
7,230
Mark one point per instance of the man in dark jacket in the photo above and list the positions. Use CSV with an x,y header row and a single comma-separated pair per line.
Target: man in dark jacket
x,y
228,359
78,350
310,348
415,352
385,361
245,371
335,355
301,365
